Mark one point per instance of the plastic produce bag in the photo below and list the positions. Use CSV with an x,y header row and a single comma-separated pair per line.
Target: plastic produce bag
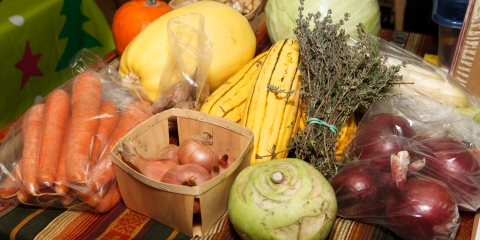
x,y
58,153
423,78
411,166
183,83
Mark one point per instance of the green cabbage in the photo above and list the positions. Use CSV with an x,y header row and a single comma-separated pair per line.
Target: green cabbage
x,y
281,15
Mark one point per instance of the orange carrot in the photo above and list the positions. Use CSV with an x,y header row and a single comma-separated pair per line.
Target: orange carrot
x,y
135,113
110,199
107,122
32,135
12,183
61,179
57,111
91,199
102,173
86,98
23,196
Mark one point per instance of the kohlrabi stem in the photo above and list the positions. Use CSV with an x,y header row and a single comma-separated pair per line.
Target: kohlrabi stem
x,y
277,177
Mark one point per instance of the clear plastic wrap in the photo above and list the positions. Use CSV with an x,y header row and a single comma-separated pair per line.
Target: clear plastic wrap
x,y
411,166
58,153
423,78
183,83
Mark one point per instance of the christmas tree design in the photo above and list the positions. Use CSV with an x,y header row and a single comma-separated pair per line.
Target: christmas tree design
x,y
70,30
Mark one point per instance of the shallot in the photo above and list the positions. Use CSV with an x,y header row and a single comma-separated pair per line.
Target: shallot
x,y
169,151
197,150
187,175
224,162
153,167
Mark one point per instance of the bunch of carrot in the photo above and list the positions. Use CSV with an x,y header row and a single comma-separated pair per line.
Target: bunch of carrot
x,y
66,147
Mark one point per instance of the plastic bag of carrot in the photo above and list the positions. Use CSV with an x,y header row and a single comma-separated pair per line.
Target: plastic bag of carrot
x,y
58,153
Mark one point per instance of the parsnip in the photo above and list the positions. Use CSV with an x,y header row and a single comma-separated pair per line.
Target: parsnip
x,y
421,81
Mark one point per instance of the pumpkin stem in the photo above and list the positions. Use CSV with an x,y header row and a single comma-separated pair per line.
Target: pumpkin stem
x,y
151,3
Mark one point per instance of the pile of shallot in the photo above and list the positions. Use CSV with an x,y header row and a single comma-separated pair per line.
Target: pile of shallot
x,y
411,183
191,163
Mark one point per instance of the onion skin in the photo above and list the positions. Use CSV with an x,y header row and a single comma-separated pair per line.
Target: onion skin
x,y
196,151
169,151
187,175
455,165
153,167
361,191
423,209
380,135
301,205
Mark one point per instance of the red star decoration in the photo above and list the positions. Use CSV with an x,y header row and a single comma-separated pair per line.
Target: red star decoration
x,y
28,65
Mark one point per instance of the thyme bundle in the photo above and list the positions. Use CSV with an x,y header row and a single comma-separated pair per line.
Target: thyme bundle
x,y
339,76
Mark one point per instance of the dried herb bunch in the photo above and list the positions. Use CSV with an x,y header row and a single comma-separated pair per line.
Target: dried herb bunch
x,y
339,76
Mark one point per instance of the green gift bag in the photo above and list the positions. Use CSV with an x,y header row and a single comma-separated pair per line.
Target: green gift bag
x,y
38,39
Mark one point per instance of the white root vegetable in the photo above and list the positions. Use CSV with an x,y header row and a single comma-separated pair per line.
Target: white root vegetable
x,y
421,81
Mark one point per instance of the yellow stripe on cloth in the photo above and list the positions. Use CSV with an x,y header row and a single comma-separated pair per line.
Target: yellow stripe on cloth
x,y
129,224
173,235
341,229
66,226
25,221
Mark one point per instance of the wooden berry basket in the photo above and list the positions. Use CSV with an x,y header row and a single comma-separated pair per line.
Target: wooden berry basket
x,y
170,204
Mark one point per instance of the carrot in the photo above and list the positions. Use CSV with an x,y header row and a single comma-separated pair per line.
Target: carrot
x,y
12,183
110,199
86,98
102,173
107,122
57,111
135,113
32,135
61,179
91,199
23,196
67,199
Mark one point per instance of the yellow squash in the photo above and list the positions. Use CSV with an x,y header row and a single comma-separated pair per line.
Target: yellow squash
x,y
345,134
232,39
228,100
273,109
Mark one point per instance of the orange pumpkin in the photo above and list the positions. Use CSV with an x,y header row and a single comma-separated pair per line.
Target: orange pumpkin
x,y
132,17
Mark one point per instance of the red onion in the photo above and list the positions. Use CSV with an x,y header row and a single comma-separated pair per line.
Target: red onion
x,y
386,124
361,190
196,150
423,209
455,165
380,136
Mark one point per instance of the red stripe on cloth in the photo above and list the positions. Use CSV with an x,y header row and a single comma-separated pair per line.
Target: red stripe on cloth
x,y
98,226
127,225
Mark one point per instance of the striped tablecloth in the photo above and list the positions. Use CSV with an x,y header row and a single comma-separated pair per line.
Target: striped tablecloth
x,y
29,222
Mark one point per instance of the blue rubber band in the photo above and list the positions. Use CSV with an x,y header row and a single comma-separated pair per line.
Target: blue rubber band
x,y
321,122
